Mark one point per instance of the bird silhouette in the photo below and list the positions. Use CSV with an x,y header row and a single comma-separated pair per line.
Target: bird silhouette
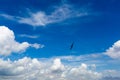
x,y
71,47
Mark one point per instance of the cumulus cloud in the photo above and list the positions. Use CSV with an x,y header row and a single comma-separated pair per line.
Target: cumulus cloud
x,y
51,69
9,45
34,69
114,51
57,65
55,68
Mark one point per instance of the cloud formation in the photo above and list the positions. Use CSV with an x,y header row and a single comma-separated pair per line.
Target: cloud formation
x,y
33,69
50,69
42,18
9,45
60,13
114,51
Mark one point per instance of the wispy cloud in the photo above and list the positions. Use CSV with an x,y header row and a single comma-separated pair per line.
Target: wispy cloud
x,y
7,16
58,14
29,36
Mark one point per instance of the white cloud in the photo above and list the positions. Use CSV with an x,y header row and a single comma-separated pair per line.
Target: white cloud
x,y
54,68
9,45
29,36
114,51
34,69
35,19
57,65
42,18
61,13
88,57
7,16
111,73
37,46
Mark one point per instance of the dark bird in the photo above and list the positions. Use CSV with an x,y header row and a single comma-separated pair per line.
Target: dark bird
x,y
71,46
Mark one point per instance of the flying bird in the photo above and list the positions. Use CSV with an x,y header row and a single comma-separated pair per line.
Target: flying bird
x,y
71,46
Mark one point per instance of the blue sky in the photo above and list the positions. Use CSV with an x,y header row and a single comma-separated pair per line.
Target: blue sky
x,y
45,30
94,31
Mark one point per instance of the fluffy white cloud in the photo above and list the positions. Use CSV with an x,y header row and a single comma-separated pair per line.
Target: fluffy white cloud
x,y
83,73
114,51
34,69
9,45
54,68
57,65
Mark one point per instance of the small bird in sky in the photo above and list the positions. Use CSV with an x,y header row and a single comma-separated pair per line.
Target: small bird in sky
x,y
71,47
